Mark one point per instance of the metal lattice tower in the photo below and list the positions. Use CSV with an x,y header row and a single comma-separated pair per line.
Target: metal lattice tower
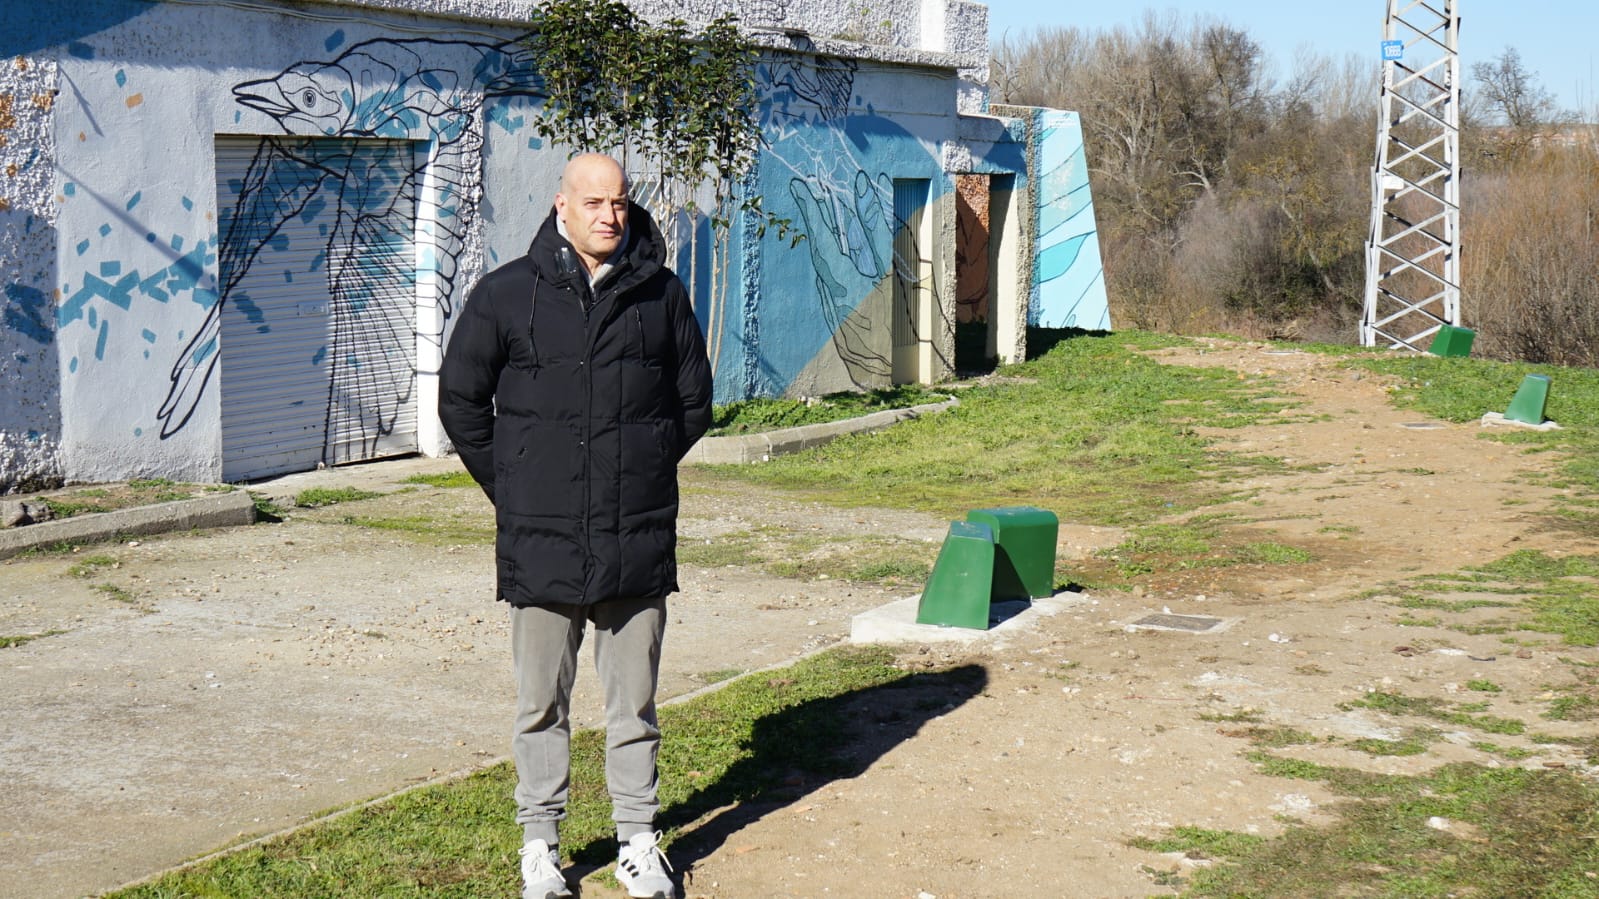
x,y
1413,251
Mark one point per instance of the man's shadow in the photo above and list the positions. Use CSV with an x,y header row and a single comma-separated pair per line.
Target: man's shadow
x,y
800,749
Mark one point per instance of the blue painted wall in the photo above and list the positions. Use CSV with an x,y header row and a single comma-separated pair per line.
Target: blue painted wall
x,y
1068,271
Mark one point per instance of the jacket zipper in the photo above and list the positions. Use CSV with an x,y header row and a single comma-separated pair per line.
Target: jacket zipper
x,y
587,301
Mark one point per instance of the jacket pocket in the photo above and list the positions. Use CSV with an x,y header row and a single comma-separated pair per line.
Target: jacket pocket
x,y
539,474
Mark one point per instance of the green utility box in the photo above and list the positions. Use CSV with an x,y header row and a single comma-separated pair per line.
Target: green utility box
x,y
1452,340
957,590
1527,405
1024,558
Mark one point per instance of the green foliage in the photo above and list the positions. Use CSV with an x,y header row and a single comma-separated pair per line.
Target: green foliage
x,y
1436,709
1511,832
316,497
1094,431
447,531
683,101
1539,592
267,508
89,566
448,480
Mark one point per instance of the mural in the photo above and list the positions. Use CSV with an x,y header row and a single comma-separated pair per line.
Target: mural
x,y
376,89
835,169
1069,273
136,256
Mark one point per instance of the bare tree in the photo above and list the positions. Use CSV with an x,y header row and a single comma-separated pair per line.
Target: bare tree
x,y
1510,97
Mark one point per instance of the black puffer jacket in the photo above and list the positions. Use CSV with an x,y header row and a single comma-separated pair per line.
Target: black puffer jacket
x,y
572,410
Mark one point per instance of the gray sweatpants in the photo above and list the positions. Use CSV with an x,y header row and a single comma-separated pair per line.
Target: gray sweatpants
x,y
627,654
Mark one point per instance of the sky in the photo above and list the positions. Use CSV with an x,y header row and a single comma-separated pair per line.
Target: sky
x,y
1557,39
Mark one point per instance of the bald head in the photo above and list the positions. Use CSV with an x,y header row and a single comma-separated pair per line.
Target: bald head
x,y
586,166
592,204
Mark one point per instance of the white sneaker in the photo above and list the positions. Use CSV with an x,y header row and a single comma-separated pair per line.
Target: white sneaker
x,y
541,872
641,868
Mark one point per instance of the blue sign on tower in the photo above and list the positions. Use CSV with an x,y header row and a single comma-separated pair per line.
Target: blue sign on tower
x,y
1393,50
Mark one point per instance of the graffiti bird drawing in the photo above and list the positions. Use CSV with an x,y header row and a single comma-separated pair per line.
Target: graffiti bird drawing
x,y
423,89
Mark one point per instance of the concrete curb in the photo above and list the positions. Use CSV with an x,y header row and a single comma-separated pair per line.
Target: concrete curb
x,y
762,447
218,510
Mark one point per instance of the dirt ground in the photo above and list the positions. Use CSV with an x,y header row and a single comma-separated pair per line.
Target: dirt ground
x,y
217,686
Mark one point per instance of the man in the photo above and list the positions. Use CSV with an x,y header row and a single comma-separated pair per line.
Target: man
x,y
574,382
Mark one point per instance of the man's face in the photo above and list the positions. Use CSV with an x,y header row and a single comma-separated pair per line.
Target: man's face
x,y
593,205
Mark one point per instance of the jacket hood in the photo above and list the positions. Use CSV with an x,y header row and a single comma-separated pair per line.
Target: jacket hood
x,y
642,255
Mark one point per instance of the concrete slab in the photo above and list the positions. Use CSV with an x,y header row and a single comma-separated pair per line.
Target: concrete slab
x,y
896,621
762,447
219,510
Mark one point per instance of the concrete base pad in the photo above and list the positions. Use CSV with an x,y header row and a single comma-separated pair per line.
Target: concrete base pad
x,y
896,622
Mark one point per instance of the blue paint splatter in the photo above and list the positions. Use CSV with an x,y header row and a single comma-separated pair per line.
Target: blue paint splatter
x,y
176,242
334,39
204,351
110,269
99,344
321,353
105,230
69,188
94,317
252,312
83,247
122,78
148,335
138,432
134,200
73,365
188,204
80,50
27,312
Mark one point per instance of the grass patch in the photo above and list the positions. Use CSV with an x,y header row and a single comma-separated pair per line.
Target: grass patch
x,y
1539,592
1462,830
1274,737
267,509
755,415
451,531
448,479
1400,705
6,642
93,498
756,744
317,497
1094,431
118,594
89,566
1201,542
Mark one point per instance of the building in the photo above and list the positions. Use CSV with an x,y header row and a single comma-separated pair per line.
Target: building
x,y
234,233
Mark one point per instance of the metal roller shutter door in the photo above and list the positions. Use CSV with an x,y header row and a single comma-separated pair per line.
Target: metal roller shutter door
x,y
318,340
